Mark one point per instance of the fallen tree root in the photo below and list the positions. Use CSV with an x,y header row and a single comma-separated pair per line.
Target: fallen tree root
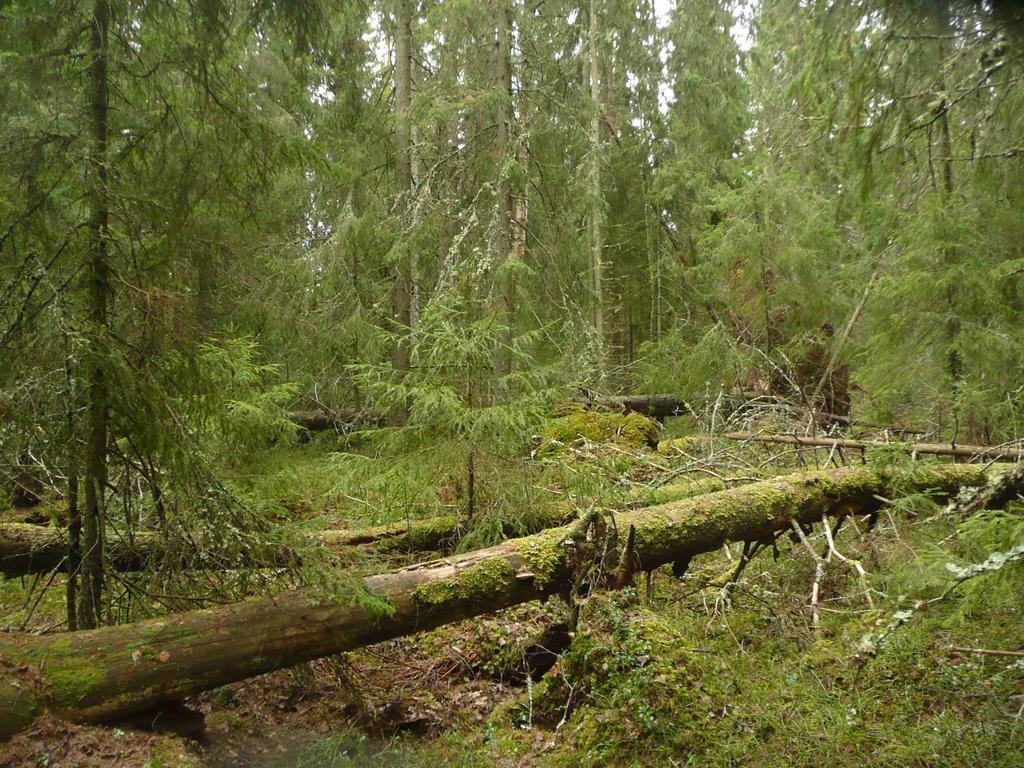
x,y
935,449
114,671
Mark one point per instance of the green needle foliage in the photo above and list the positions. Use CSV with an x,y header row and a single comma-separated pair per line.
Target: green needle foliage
x,y
215,213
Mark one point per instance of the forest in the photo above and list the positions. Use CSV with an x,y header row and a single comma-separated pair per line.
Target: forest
x,y
511,383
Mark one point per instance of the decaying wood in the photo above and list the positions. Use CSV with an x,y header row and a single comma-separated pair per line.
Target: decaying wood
x,y
658,406
994,495
340,421
987,651
110,672
29,548
935,449
26,548
655,406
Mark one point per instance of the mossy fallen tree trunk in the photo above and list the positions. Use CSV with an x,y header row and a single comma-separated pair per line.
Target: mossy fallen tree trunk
x,y
112,672
27,549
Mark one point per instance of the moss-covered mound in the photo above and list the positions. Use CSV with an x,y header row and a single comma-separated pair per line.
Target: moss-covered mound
x,y
626,680
679,446
573,423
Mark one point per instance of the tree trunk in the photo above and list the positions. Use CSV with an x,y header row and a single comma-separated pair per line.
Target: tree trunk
x,y
954,361
596,201
74,547
401,293
104,673
502,10
26,548
90,610
934,449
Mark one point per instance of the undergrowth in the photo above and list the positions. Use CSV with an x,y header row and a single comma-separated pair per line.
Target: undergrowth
x,y
678,679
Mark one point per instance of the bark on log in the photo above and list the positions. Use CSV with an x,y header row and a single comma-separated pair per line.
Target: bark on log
x,y
655,406
935,449
341,420
26,548
114,671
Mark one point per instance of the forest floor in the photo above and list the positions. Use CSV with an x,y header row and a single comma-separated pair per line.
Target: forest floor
x,y
677,673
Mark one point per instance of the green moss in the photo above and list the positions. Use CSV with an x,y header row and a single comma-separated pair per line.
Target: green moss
x,y
630,671
543,554
486,578
691,444
164,632
675,491
425,535
19,705
18,708
632,430
71,675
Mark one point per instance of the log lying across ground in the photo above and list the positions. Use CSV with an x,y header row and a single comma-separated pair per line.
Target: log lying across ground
x,y
340,420
655,406
27,548
111,672
934,449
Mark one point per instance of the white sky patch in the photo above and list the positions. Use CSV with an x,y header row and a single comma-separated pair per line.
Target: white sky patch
x,y
740,31
380,44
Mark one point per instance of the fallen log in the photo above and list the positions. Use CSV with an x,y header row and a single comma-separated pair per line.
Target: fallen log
x,y
935,449
27,548
655,406
341,420
115,671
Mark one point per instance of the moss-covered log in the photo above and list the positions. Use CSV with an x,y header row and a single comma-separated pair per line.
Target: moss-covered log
x,y
26,548
103,673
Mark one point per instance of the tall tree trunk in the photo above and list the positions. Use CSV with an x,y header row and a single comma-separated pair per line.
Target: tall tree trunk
x,y
596,202
414,259
74,548
521,205
502,10
520,198
401,292
90,610
115,671
953,359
